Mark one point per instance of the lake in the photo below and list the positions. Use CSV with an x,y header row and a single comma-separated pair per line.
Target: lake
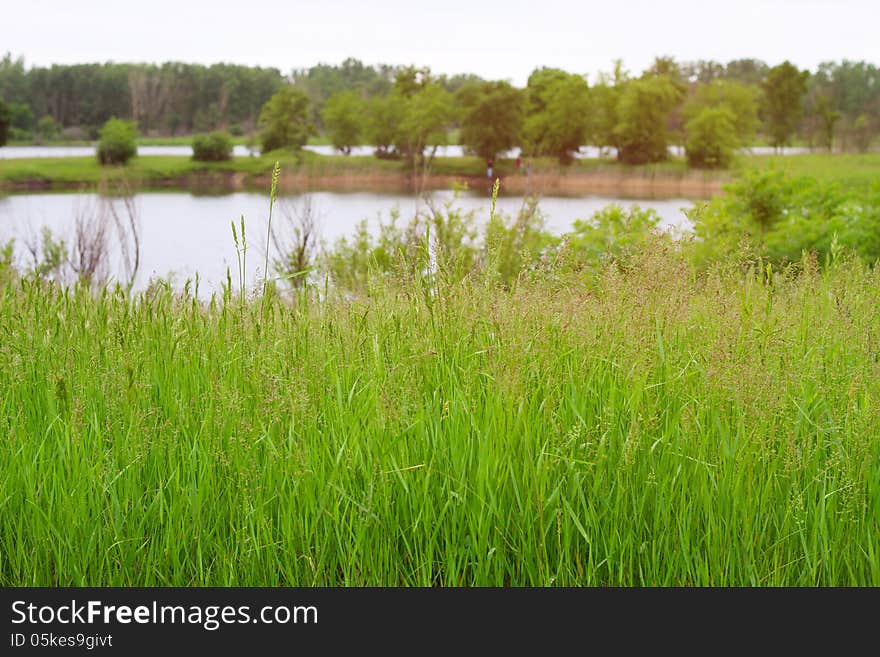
x,y
182,233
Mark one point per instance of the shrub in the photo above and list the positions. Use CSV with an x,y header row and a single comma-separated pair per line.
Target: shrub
x,y
213,147
117,142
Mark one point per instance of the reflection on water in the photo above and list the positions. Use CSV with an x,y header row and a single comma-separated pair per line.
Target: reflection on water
x,y
182,233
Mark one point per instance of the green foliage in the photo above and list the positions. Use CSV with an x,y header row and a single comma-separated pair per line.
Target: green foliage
x,y
284,120
784,89
642,112
8,273
828,118
613,233
213,147
780,219
5,120
741,100
862,133
605,100
438,237
47,129
515,244
343,119
323,81
557,123
427,115
491,117
21,118
384,115
117,142
711,138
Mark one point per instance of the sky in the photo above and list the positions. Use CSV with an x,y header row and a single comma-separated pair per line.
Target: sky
x,y
496,40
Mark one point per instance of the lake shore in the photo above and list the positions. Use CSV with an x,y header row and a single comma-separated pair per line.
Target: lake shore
x,y
339,173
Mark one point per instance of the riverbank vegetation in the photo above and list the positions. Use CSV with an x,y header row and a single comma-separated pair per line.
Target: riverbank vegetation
x,y
437,405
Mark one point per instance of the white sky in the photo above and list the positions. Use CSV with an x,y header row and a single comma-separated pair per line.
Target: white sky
x,y
495,39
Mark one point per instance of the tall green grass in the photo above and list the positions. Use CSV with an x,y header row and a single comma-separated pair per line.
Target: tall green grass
x,y
654,426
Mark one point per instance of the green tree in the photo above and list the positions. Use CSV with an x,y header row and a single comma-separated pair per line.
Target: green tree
x,y
284,120
711,138
343,120
605,96
21,118
862,133
117,142
741,99
643,111
383,116
5,119
784,88
426,117
828,118
557,123
492,116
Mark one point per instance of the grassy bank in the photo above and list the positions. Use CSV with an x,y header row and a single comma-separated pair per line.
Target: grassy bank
x,y
656,426
856,170
149,170
310,169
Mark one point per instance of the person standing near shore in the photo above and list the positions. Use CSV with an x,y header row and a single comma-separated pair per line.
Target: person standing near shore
x,y
489,168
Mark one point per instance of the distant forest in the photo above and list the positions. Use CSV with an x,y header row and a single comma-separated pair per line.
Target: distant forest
x,y
73,101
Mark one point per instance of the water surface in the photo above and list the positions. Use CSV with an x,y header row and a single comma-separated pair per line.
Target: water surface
x,y
182,233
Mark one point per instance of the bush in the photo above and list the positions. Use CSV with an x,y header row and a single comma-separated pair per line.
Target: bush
x,y
117,142
779,219
213,147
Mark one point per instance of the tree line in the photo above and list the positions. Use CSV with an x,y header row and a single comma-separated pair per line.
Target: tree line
x,y
709,108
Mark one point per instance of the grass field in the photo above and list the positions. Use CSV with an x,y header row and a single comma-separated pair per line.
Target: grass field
x,y
659,426
855,170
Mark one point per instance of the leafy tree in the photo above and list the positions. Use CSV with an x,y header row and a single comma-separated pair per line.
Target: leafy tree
x,y
323,81
117,142
409,80
492,117
605,96
21,118
426,118
862,133
741,99
828,118
342,117
383,116
213,147
783,88
284,120
643,110
5,120
747,71
557,123
711,138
